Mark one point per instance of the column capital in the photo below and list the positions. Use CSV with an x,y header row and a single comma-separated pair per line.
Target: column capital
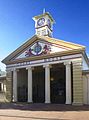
x,y
47,66
15,69
8,70
31,68
67,62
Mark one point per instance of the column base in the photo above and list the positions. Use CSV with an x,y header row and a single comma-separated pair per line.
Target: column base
x,y
14,101
47,102
30,101
68,103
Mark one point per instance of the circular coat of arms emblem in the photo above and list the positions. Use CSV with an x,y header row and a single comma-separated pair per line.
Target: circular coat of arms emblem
x,y
37,48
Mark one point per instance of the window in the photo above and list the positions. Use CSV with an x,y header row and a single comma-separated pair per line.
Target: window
x,y
49,34
44,32
38,32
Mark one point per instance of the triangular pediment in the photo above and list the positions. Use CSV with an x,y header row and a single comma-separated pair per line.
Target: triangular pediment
x,y
40,46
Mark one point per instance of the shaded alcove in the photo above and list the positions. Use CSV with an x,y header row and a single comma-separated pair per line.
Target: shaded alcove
x,y
58,83
22,85
38,84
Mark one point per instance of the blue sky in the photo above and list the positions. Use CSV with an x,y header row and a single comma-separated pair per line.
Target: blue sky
x,y
16,24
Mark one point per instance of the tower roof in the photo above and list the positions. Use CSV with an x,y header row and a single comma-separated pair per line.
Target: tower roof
x,y
42,15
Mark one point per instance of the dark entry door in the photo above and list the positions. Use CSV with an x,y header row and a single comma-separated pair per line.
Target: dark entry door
x,y
38,86
57,92
22,82
22,94
58,85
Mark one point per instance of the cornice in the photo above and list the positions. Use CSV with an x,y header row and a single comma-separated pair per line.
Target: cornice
x,y
58,54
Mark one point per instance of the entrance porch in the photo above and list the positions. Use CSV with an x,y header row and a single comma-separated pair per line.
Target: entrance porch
x,y
43,84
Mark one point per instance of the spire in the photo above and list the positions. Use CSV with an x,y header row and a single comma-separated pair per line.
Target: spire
x,y
44,10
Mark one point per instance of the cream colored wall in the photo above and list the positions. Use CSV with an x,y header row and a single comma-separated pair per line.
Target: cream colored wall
x,y
86,89
9,86
77,82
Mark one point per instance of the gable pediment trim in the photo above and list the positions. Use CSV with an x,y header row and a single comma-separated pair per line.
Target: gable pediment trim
x,y
60,43
20,49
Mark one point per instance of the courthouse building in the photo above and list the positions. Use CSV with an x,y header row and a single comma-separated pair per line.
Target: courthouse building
x,y
47,70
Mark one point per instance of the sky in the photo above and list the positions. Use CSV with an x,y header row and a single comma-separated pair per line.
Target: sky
x,y
17,25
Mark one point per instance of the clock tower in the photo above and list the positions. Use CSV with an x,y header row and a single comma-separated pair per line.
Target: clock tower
x,y
44,24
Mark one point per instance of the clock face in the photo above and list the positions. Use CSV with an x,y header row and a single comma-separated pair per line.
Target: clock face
x,y
41,21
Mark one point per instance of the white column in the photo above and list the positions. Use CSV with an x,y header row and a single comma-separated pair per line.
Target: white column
x,y
14,85
68,82
2,88
30,85
47,84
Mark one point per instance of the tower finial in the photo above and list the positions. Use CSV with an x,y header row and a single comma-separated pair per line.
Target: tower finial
x,y
43,10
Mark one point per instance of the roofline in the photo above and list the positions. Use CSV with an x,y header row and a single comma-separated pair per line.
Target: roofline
x,y
86,57
18,49
55,39
33,39
2,76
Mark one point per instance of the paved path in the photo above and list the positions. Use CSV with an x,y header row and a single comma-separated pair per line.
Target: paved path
x,y
43,112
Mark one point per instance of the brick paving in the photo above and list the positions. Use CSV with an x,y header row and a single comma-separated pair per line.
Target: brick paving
x,y
22,111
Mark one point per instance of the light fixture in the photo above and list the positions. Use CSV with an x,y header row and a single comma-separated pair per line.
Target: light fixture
x,y
52,79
